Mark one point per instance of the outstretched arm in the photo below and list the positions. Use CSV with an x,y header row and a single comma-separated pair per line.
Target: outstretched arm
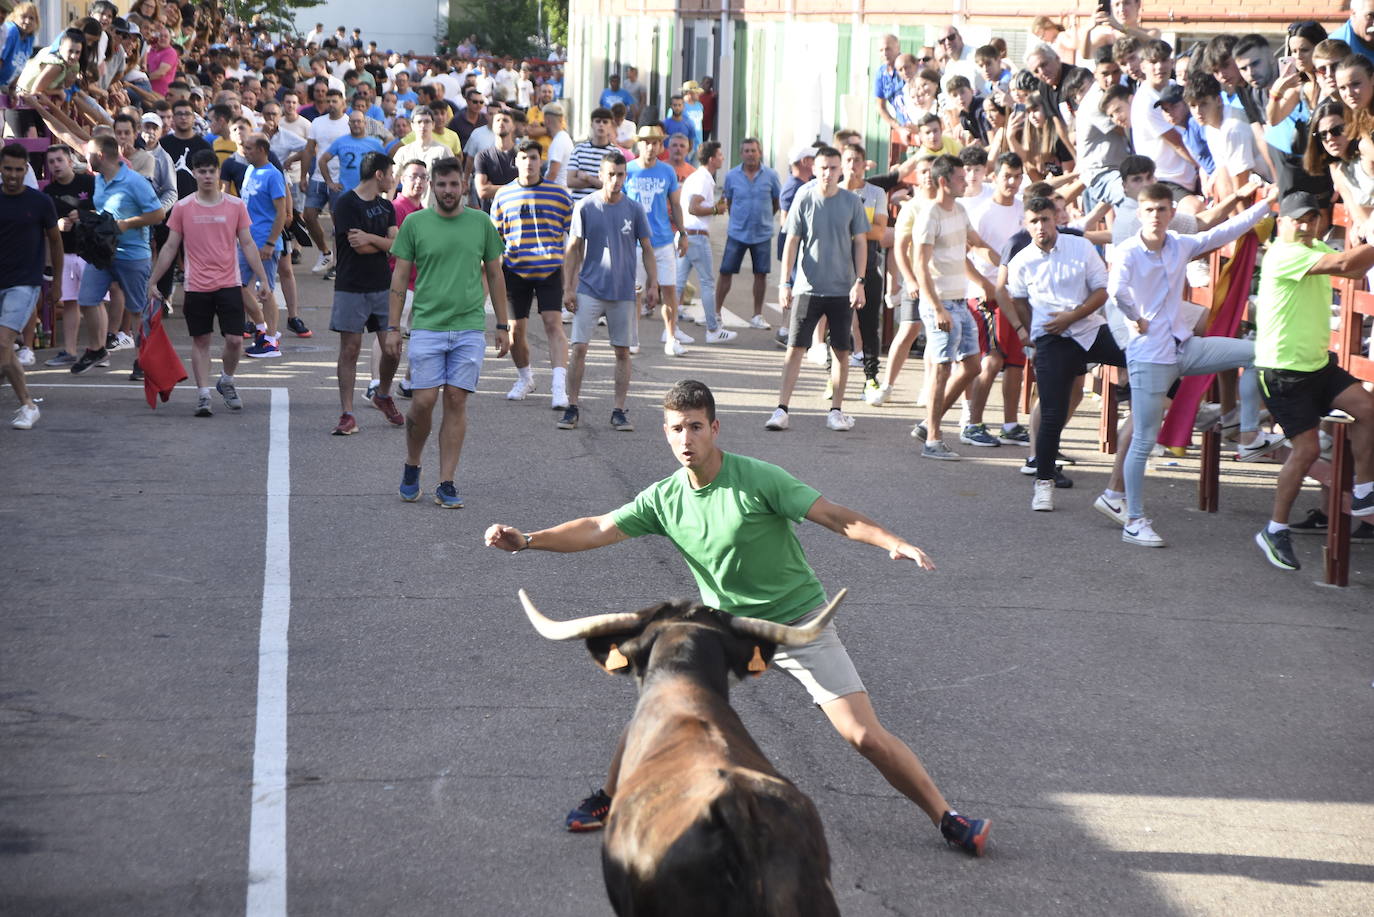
x,y
565,538
858,527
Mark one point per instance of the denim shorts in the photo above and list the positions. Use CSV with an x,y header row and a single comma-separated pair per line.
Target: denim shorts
x,y
446,358
269,267
732,259
132,277
959,342
17,305
317,194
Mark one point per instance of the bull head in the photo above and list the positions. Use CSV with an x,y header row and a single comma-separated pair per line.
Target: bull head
x,y
598,629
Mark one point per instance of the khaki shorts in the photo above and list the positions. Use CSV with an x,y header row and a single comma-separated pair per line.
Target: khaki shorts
x,y
822,666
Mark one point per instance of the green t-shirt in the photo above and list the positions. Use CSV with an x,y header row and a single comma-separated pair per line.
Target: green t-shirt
x,y
448,253
1293,310
736,534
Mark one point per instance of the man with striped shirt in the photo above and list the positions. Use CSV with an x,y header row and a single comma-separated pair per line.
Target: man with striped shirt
x,y
532,217
584,166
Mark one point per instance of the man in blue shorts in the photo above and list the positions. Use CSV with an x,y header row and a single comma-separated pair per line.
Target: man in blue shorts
x,y
733,519
752,195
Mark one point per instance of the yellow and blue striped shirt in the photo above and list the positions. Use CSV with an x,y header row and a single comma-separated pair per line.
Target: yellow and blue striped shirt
x,y
533,220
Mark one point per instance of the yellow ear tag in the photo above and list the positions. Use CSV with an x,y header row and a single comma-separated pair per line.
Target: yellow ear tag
x,y
615,659
757,665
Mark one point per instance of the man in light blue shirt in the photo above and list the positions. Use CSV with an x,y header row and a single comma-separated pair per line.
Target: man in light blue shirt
x,y
653,185
753,194
350,150
1358,30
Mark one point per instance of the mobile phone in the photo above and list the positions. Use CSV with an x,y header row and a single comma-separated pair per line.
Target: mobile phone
x,y
1018,107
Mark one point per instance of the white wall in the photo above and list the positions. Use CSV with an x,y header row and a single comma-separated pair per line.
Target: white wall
x,y
403,25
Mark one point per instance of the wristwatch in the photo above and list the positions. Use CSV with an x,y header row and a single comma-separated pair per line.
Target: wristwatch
x,y
528,539
502,326
391,328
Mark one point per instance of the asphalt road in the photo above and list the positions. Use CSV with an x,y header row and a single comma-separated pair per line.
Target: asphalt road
x,y
1184,731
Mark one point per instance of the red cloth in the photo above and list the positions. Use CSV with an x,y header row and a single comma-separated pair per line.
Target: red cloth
x,y
1178,423
162,368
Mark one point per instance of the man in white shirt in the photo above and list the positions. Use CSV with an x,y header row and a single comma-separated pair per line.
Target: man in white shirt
x,y
1153,133
560,147
324,130
1229,137
698,205
1147,286
1058,286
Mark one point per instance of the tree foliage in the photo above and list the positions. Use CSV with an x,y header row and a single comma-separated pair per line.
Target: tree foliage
x,y
521,28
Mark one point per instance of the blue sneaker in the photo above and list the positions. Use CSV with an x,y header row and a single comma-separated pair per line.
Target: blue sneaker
x,y
410,483
590,814
968,834
446,495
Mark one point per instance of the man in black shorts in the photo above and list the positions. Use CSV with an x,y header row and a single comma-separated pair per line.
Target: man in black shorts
x,y
532,216
215,227
827,245
1299,377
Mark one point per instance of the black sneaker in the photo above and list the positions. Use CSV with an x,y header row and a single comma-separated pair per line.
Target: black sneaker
x,y
88,359
137,374
405,391
111,342
1316,523
569,419
1362,506
590,814
297,327
621,421
1277,548
968,834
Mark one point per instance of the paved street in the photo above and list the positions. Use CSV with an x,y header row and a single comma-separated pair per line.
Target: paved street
x,y
1183,731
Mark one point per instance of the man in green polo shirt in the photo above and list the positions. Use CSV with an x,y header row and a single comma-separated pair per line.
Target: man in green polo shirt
x,y
1299,377
732,518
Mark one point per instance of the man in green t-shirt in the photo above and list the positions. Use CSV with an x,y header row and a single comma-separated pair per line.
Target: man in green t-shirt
x,y
451,248
732,518
1299,377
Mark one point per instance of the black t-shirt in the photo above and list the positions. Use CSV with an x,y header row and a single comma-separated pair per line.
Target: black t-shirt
x,y
464,127
75,195
359,273
25,219
181,152
499,168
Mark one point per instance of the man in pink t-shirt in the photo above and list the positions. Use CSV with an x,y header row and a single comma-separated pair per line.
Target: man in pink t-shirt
x,y
163,59
214,227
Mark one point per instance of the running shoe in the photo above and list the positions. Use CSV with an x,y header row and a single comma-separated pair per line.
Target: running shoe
x,y
874,393
387,405
62,359
297,327
1316,523
620,421
1016,436
976,434
446,495
203,408
1141,532
262,347
373,388
757,322
968,834
1277,548
226,388
939,451
919,431
347,425
91,358
569,418
590,814
410,483
779,420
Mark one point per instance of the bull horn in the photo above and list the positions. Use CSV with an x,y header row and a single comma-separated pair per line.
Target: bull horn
x,y
580,628
786,634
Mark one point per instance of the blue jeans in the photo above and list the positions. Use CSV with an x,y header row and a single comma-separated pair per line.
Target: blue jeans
x,y
699,256
1150,383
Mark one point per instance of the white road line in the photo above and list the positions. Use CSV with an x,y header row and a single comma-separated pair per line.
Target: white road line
x,y
267,824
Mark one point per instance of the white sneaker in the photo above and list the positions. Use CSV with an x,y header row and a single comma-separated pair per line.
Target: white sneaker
x,y
559,402
1042,500
567,317
1114,510
634,349
1263,444
720,336
521,388
1140,532
682,336
323,263
838,420
124,340
878,396
816,354
673,349
25,417
779,420
856,358
1208,413
26,357
756,321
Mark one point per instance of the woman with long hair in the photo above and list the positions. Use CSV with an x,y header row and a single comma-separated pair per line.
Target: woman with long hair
x,y
1292,100
16,42
1355,87
1035,137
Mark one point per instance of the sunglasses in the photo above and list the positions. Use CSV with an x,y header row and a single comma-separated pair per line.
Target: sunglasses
x,y
1337,131
924,60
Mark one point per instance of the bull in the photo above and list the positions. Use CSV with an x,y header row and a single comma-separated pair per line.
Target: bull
x,y
700,821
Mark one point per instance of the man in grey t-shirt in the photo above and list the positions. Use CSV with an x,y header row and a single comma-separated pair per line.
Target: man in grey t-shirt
x,y
599,279
827,244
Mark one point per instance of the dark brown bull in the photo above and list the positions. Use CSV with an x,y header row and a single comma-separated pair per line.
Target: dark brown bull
x,y
700,823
